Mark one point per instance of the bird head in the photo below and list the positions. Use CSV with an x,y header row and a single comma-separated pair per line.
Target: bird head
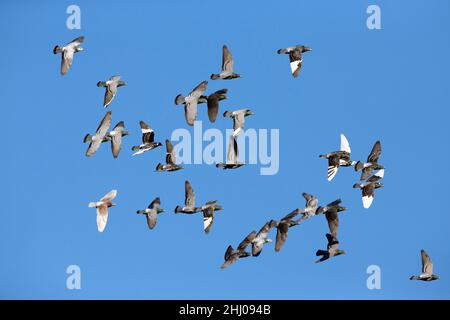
x,y
267,240
339,209
378,185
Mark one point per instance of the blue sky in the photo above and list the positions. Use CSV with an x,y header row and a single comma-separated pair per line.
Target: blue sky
x,y
389,84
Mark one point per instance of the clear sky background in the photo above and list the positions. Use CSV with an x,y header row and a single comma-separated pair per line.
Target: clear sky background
x,y
390,84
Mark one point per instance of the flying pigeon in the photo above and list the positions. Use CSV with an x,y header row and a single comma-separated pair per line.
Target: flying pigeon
x,y
227,66
295,57
148,140
212,102
339,158
102,209
283,226
170,160
238,117
427,269
99,136
67,53
208,214
368,188
115,137
190,102
111,86
331,214
372,162
231,256
151,212
261,238
189,201
332,249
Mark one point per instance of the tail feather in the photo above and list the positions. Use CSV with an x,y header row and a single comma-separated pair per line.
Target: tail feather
x,y
179,99
357,185
227,114
56,49
215,76
414,278
280,51
321,252
140,212
178,209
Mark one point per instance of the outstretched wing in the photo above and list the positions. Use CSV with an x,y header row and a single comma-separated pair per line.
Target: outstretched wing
x,y
345,146
227,60
427,265
375,153
189,199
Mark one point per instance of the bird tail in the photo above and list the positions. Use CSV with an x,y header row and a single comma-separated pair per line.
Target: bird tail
x,y
179,99
178,209
357,185
56,49
101,84
140,211
159,167
280,51
359,165
134,148
87,138
221,91
220,165
322,156
215,76
321,252
92,205
414,278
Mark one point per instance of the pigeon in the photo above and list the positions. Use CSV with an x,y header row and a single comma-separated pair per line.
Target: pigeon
x,y
283,227
260,238
170,160
99,136
238,117
148,140
151,212
227,66
427,269
368,188
212,102
312,204
102,209
115,137
208,214
332,249
190,102
111,88
232,156
189,201
295,57
231,256
67,53
372,162
338,159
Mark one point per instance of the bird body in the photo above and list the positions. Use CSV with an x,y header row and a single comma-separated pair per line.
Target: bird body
x,y
96,139
190,102
151,212
238,117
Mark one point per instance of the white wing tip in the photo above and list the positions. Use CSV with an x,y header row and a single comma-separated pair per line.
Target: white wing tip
x,y
367,202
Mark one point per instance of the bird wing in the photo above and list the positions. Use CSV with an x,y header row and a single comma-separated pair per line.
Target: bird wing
x,y
427,265
104,125
189,196
232,153
148,135
375,153
291,215
238,120
76,42
102,217
333,166
110,93
109,196
208,218
93,147
333,221
152,217
213,104
228,252
190,112
66,60
198,91
170,153
248,240
155,203
282,232
116,141
227,60
345,146
365,173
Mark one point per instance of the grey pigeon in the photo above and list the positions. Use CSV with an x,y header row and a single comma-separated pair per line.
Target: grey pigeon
x,y
67,53
231,255
102,209
151,212
283,226
238,117
190,102
170,160
96,139
372,162
114,136
332,249
339,158
261,238
189,201
110,86
227,72
368,188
